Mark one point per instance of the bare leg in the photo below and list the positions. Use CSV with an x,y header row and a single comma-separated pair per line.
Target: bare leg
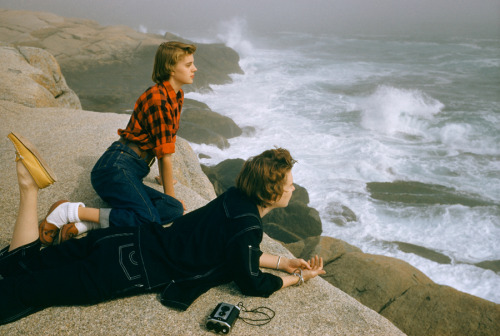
x,y
26,227
88,214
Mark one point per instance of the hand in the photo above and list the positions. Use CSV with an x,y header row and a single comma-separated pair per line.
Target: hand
x,y
316,268
183,205
290,265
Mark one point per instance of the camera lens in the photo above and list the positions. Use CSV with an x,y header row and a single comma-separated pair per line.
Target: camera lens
x,y
210,325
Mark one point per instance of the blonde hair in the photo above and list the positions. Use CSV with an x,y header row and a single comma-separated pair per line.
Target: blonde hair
x,y
167,56
262,177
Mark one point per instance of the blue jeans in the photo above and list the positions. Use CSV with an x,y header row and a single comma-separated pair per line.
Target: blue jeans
x,y
117,178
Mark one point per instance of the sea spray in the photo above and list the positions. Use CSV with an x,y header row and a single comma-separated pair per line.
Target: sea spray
x,y
391,110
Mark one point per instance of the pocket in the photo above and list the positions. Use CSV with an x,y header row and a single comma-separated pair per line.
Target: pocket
x,y
129,261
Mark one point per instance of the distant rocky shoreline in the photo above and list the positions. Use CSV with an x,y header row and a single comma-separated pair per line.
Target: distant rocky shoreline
x,y
107,67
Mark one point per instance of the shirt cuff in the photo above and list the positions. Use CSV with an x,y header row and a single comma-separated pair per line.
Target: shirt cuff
x,y
162,150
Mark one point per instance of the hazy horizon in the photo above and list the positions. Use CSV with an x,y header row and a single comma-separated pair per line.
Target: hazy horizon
x,y
192,17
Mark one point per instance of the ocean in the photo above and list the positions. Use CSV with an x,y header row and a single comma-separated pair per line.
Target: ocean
x,y
416,119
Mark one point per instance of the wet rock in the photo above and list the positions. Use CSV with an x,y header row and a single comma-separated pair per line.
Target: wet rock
x,y
201,125
411,192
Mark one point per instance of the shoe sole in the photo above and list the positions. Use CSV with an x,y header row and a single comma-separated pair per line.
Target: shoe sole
x,y
65,234
22,145
46,227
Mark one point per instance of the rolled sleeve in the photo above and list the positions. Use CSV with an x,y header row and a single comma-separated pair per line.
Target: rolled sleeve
x,y
163,128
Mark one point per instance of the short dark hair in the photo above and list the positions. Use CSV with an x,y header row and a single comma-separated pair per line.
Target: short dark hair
x,y
167,56
262,177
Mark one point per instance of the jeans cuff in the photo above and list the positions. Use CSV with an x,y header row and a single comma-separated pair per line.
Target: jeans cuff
x,y
104,217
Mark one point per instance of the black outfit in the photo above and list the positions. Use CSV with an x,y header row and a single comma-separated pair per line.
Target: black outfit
x,y
213,245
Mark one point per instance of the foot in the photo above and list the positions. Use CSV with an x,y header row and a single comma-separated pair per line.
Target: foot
x,y
24,178
67,232
27,153
59,214
48,231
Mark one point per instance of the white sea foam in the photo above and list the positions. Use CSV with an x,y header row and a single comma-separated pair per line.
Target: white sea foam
x,y
391,110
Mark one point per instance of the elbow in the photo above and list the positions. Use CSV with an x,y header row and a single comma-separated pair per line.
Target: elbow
x,y
254,289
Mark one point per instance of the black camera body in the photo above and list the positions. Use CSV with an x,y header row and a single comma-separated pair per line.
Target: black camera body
x,y
222,318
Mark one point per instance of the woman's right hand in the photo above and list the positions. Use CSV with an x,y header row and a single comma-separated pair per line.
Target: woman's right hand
x,y
316,264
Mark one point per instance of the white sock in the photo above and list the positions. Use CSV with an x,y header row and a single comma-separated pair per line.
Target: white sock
x,y
73,212
86,226
81,227
65,213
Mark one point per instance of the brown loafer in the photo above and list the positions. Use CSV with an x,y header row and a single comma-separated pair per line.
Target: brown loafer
x,y
47,231
67,232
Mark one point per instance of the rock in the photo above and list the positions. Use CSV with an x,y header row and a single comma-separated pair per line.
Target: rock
x,y
223,175
374,280
34,79
94,58
201,135
297,218
187,170
215,63
432,309
423,252
493,265
412,192
201,125
340,214
330,249
400,292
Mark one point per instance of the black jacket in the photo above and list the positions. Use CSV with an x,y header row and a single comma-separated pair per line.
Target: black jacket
x,y
210,246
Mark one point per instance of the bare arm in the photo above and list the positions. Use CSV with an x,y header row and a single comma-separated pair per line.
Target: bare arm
x,y
309,269
167,174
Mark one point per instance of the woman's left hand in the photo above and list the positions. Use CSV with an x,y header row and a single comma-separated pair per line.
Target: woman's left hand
x,y
290,265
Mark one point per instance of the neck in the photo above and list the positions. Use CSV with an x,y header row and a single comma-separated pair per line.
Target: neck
x,y
263,211
175,86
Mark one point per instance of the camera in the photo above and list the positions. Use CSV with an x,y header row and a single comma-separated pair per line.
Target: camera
x,y
222,318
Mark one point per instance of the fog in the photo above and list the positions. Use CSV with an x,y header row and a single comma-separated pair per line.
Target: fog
x,y
201,17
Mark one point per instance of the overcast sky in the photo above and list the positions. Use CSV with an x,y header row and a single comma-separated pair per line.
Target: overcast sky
x,y
191,17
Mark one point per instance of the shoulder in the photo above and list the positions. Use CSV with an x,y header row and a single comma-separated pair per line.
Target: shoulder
x,y
237,205
152,94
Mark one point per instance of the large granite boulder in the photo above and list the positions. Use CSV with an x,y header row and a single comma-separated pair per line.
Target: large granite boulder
x,y
108,66
400,292
34,78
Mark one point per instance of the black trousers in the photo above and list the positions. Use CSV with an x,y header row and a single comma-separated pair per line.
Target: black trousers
x,y
103,265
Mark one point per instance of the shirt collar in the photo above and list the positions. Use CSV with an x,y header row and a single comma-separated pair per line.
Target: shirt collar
x,y
171,92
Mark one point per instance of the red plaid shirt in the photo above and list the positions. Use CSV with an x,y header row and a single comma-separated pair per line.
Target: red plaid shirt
x,y
155,120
